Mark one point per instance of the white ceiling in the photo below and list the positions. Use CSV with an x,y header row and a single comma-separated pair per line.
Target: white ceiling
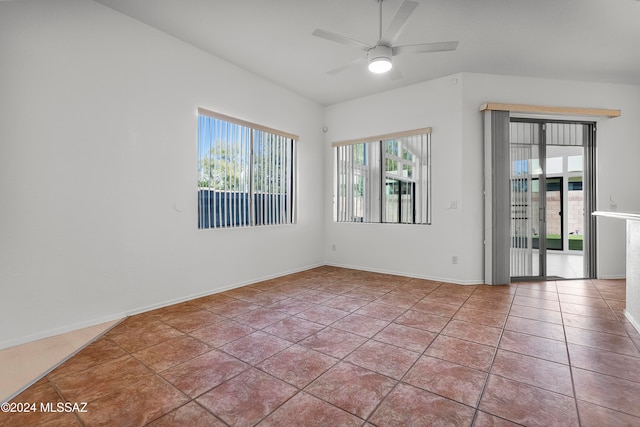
x,y
587,40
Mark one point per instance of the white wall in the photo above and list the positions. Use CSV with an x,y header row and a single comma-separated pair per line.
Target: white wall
x,y
98,169
451,106
421,251
98,156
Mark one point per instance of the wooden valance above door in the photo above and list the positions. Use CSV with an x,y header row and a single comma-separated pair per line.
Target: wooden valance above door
x,y
541,109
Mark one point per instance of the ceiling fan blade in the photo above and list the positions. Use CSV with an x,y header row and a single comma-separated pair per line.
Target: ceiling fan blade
x,y
425,48
346,66
328,35
398,22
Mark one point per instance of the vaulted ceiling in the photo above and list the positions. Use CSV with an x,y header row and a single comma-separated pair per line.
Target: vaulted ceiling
x,y
585,40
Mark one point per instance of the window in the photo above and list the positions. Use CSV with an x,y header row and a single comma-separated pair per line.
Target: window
x,y
245,173
384,179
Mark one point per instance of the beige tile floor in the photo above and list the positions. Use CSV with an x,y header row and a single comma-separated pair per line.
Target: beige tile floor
x,y
22,365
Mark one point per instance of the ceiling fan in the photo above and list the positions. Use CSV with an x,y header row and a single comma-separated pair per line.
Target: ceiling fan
x,y
379,56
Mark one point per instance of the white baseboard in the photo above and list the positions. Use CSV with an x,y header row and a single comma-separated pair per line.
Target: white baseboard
x,y
404,273
634,322
216,291
60,330
612,277
121,315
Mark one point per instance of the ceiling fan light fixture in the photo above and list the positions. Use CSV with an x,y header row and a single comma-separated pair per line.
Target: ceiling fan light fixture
x,y
380,59
380,65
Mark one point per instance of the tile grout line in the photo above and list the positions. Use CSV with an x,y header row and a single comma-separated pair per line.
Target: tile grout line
x,y
495,353
571,367
421,354
364,420
566,341
367,339
250,365
300,390
340,360
57,390
628,334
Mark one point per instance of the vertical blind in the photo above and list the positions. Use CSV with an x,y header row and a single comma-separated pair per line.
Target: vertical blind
x,y
354,175
523,149
246,173
272,178
384,178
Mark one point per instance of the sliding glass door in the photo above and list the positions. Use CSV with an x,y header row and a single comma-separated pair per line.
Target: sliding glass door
x,y
550,212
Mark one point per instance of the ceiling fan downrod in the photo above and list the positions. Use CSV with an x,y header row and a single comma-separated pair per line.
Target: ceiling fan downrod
x,y
380,28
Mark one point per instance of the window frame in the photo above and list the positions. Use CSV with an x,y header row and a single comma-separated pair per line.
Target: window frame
x,y
375,192
271,202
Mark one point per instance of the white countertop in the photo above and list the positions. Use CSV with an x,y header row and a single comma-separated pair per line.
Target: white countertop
x,y
634,216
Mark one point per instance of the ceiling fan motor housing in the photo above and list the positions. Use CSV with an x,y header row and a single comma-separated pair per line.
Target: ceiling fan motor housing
x,y
379,56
